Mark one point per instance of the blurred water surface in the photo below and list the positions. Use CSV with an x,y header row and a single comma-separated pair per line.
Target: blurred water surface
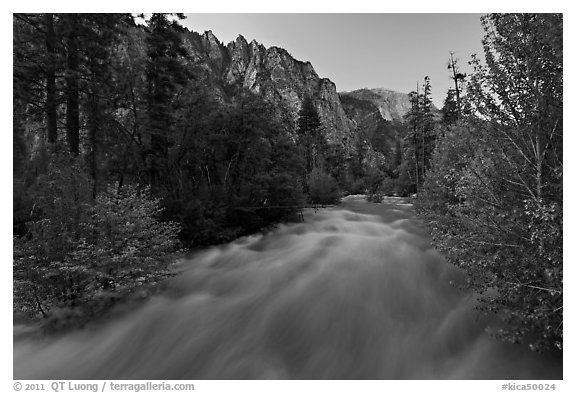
x,y
353,292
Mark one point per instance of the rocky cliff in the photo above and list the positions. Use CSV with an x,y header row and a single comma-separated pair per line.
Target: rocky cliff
x,y
378,114
391,105
376,119
274,74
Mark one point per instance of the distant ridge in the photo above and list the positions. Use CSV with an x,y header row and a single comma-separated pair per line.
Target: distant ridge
x,y
392,105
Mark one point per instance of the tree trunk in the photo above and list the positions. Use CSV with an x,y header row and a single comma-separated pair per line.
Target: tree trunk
x,y
416,160
72,93
93,121
51,108
422,172
456,87
135,113
539,159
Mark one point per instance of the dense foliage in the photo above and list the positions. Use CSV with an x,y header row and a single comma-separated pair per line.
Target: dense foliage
x,y
320,186
493,195
121,152
80,255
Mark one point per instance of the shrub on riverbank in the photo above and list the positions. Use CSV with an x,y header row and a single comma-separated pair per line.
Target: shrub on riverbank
x,y
322,187
80,256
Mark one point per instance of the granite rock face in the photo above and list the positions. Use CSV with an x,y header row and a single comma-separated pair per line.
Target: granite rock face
x,y
392,105
272,73
374,123
378,114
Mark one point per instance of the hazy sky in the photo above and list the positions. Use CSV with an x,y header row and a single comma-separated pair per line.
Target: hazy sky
x,y
393,51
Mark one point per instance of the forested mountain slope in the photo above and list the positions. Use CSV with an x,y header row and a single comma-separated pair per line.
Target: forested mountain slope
x,y
271,73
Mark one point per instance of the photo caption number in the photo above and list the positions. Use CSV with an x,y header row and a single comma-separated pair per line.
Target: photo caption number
x,y
529,386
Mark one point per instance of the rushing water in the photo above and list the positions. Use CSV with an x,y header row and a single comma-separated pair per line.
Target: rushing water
x,y
354,292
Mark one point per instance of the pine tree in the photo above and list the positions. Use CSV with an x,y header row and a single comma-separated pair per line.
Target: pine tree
x,y
458,79
310,135
420,138
37,68
51,104
450,108
165,76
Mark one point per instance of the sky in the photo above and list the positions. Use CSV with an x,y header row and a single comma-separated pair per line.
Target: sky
x,y
393,51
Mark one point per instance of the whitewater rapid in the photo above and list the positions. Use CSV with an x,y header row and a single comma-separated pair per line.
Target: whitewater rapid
x,y
353,292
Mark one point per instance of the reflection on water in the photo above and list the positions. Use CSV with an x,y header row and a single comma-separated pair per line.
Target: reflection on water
x,y
345,295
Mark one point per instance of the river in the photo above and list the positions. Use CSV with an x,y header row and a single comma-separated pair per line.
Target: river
x,y
353,292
